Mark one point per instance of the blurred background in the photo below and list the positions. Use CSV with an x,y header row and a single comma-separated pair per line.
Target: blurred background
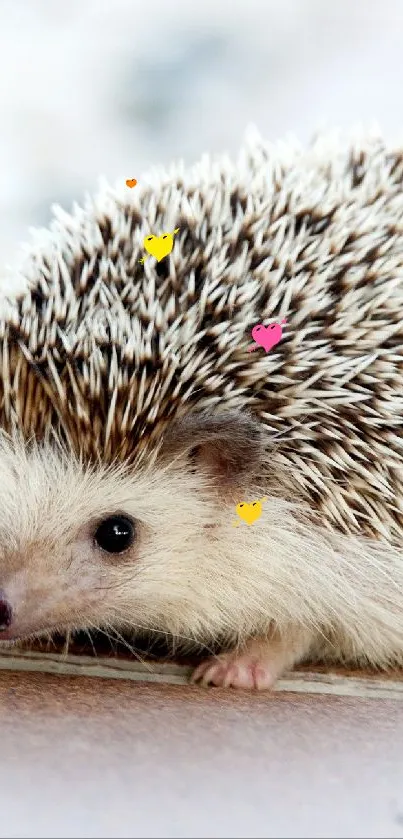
x,y
112,87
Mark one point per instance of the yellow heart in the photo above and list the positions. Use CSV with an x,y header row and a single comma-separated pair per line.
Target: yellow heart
x,y
160,246
249,512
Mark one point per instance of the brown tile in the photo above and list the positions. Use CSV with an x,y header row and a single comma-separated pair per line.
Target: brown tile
x,y
89,757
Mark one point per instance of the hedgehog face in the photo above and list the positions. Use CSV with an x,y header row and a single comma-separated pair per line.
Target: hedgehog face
x,y
66,532
82,548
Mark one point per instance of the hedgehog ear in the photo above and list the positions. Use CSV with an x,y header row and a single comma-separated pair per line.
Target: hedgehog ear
x,y
230,445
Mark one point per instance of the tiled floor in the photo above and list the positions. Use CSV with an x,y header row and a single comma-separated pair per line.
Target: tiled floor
x,y
102,757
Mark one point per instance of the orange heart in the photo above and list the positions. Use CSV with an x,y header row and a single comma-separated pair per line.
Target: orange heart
x,y
131,183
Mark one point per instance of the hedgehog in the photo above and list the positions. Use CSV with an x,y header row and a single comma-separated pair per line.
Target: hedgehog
x,y
134,419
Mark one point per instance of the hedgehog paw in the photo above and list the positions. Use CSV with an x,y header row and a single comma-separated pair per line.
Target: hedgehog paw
x,y
257,667
243,671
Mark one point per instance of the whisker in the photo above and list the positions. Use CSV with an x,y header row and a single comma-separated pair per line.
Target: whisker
x,y
87,632
131,649
66,646
190,640
98,629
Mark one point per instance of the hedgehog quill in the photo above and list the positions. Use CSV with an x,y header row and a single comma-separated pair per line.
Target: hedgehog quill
x,y
134,419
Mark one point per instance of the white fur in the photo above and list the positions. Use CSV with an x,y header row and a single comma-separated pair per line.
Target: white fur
x,y
191,574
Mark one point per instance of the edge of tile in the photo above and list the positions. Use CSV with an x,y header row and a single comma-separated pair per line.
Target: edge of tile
x,y
308,682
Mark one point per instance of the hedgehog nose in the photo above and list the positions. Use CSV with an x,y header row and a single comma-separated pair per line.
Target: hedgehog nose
x,y
6,612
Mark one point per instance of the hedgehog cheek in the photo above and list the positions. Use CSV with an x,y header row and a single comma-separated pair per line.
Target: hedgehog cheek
x,y
229,446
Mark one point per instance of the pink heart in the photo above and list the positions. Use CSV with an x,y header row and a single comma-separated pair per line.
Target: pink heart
x,y
267,336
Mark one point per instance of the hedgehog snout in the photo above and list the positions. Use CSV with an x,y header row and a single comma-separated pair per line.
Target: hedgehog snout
x,y
6,612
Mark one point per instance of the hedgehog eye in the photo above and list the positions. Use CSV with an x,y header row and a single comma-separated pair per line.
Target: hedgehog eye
x,y
115,534
165,237
150,238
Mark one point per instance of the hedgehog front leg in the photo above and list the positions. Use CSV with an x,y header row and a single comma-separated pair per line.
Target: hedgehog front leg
x,y
258,665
